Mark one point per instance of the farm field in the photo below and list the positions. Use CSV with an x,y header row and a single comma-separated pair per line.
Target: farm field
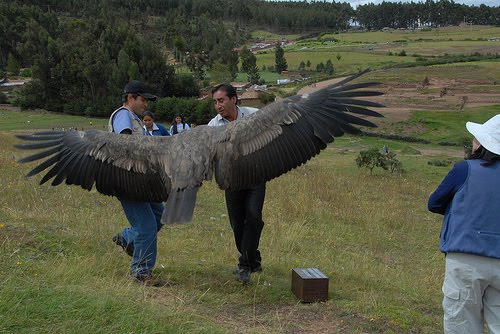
x,y
371,234
381,48
437,34
350,61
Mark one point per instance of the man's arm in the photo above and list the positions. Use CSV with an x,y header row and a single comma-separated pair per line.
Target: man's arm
x,y
122,123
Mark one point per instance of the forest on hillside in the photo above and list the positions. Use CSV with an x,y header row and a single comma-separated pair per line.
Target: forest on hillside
x,y
81,53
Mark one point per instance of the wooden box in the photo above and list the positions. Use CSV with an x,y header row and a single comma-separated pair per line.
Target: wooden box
x,y
309,285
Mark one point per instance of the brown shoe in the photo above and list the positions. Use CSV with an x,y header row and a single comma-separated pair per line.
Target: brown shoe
x,y
117,239
149,280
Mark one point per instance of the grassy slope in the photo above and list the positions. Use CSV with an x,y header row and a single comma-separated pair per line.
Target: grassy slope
x,y
481,70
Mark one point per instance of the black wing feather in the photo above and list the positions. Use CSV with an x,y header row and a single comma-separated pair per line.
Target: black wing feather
x,y
70,159
323,115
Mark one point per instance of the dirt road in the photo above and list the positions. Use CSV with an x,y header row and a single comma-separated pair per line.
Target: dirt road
x,y
316,86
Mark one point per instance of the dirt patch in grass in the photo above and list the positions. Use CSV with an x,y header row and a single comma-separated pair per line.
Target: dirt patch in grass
x,y
9,107
438,152
301,318
437,94
18,234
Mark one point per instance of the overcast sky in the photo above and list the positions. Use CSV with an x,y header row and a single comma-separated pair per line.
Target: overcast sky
x,y
354,3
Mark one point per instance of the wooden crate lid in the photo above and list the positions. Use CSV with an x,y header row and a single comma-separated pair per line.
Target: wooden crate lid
x,y
309,273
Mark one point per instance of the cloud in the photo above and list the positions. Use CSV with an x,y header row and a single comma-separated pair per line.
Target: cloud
x,y
490,3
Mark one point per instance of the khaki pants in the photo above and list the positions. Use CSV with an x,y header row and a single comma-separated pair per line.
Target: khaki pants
x,y
471,291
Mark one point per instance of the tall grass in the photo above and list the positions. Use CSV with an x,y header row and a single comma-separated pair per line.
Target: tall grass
x,y
371,235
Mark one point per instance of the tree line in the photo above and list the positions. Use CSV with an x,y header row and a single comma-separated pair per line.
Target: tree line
x,y
428,13
80,65
289,16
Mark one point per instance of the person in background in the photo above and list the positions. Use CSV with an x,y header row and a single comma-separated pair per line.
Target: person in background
x,y
469,199
244,206
151,128
140,239
178,125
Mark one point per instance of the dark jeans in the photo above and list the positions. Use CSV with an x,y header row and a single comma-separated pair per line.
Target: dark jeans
x,y
245,214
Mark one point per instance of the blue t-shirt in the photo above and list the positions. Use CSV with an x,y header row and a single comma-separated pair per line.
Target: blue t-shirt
x,y
122,121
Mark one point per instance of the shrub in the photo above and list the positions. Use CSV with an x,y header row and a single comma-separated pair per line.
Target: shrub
x,y
203,113
266,98
425,82
393,164
440,162
26,73
185,85
166,108
372,158
396,137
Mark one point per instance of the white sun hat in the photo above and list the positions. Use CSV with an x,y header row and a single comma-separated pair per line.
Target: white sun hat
x,y
487,134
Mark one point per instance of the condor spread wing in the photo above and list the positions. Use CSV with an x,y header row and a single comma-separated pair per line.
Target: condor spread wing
x,y
247,152
118,165
287,133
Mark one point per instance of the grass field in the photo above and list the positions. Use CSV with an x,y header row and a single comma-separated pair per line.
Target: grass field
x,y
371,234
350,61
61,272
38,119
372,49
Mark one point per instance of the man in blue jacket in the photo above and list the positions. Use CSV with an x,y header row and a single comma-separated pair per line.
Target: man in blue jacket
x,y
469,199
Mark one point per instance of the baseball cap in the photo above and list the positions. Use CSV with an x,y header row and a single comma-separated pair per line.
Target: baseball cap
x,y
139,88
